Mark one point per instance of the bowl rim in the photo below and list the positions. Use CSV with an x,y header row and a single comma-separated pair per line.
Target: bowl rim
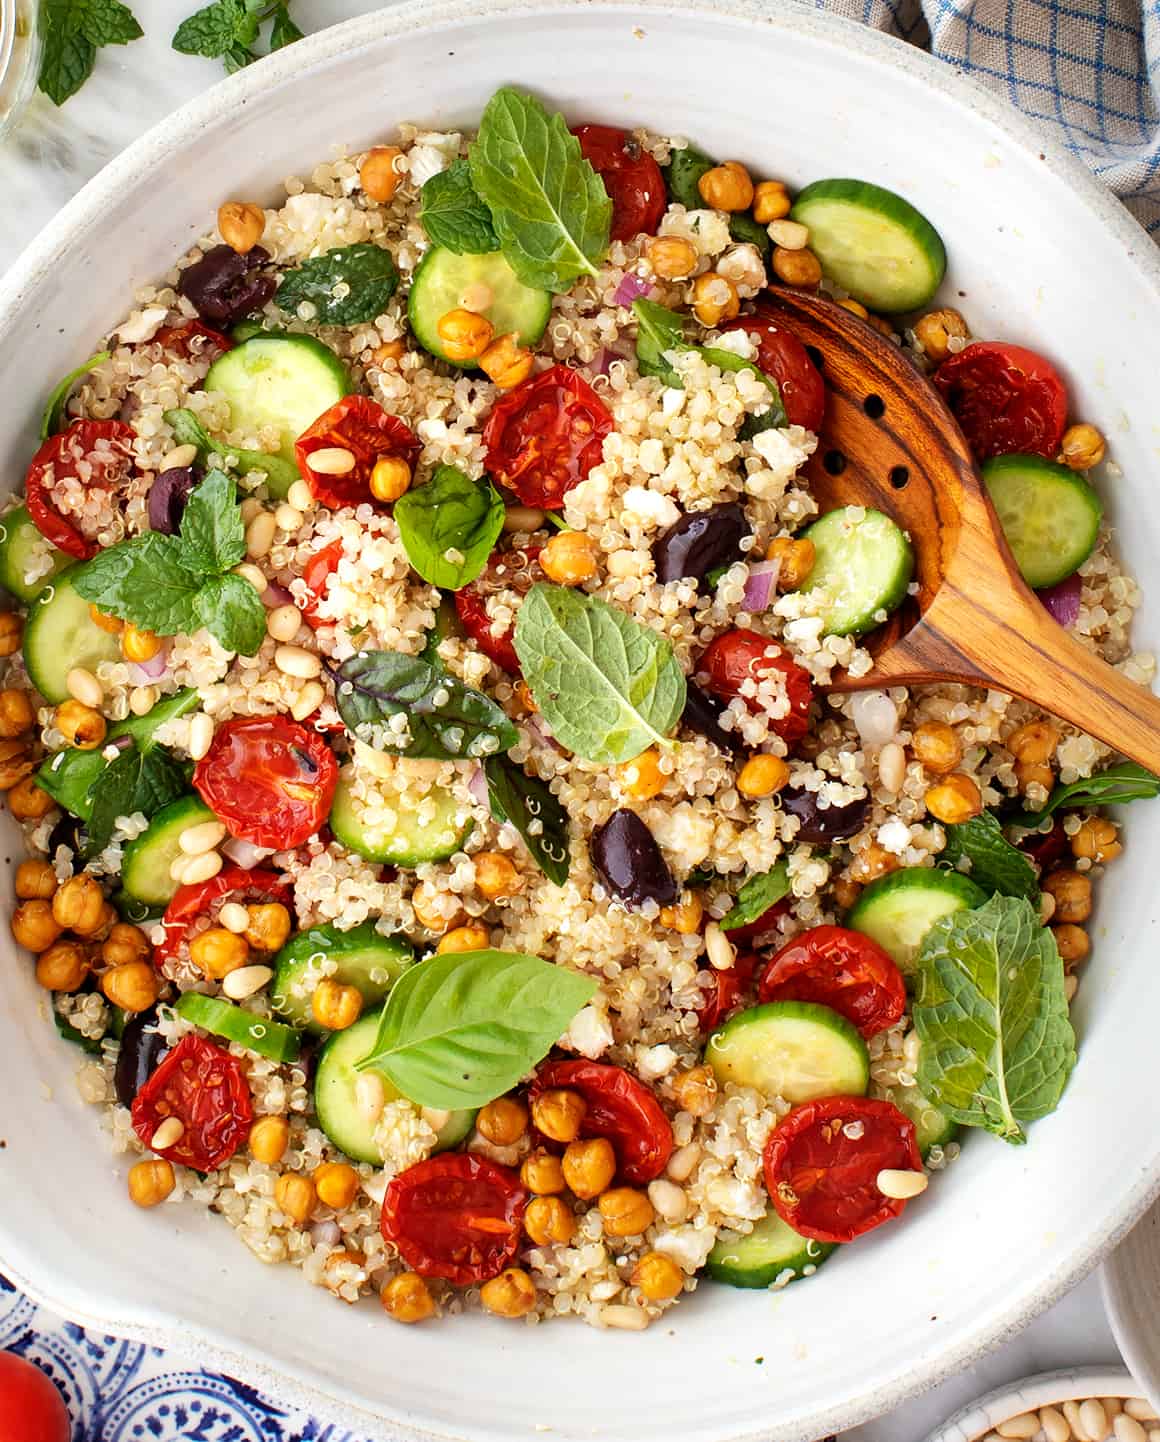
x,y
84,210
1028,1394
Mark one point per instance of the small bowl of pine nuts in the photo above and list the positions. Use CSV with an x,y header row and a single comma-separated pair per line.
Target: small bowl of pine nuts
x,y
1080,1404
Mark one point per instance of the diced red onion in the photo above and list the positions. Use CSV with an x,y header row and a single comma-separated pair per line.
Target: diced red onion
x,y
142,672
1062,601
478,786
245,854
276,594
760,586
631,288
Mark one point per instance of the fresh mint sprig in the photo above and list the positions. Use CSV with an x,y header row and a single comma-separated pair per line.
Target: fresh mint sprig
x,y
230,31
72,31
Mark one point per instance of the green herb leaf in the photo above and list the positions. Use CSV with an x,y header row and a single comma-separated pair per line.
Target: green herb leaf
x,y
134,781
147,580
531,807
446,720
214,30
72,31
606,685
189,431
449,526
996,865
1126,781
283,31
460,1030
211,525
756,897
549,207
232,612
70,1033
453,214
997,1043
347,286
54,409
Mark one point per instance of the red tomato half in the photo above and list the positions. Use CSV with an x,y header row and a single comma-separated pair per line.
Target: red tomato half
x,y
620,1108
203,1087
784,359
98,454
631,176
823,1181
840,969
740,655
317,573
232,883
361,426
507,570
193,339
1007,399
1045,848
544,436
31,1409
728,989
269,779
456,1216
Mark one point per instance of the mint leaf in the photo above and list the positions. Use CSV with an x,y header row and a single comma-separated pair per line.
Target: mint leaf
x,y
347,286
189,431
211,526
106,22
147,580
135,781
996,865
232,612
606,685
531,807
212,31
453,214
997,1043
283,31
549,207
756,897
460,1030
54,408
72,31
449,514
1126,781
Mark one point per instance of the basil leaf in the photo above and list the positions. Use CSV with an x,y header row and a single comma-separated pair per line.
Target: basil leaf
x,y
232,612
606,685
347,286
1126,781
756,897
460,1030
997,1043
188,430
211,526
996,865
147,580
445,720
453,214
531,807
134,781
53,418
549,207
449,526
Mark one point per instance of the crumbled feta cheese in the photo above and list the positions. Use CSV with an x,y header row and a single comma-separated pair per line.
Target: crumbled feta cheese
x,y
590,1032
685,834
894,836
655,1062
707,229
142,325
690,1246
432,153
650,508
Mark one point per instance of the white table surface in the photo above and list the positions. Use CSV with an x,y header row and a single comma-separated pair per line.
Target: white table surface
x,y
49,156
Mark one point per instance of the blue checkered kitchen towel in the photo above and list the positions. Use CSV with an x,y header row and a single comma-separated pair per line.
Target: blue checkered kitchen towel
x,y
1088,70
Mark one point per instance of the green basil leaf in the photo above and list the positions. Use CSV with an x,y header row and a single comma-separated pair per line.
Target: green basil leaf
x,y
448,527
54,410
756,897
996,865
530,805
460,1030
188,430
453,214
211,525
347,286
549,207
1126,781
445,720
606,685
232,612
997,1043
658,331
148,580
134,781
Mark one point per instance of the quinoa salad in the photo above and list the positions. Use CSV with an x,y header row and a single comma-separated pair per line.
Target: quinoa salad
x,y
443,846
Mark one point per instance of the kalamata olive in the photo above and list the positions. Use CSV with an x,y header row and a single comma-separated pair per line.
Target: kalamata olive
x,y
702,714
141,1051
225,286
167,497
700,542
824,823
629,861
69,831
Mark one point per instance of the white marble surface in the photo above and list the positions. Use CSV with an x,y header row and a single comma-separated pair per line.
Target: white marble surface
x,y
50,155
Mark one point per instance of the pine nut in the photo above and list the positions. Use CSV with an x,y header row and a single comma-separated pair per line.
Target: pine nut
x,y
332,461
789,234
177,868
202,837
234,917
168,1134
299,496
260,534
522,518
1127,1429
718,948
626,1319
669,1200
142,699
370,1096
1093,1419
252,574
1113,1406
178,457
283,621
1054,1425
201,868
1070,986
1071,1412
308,700
200,735
297,661
1025,1425
246,981
288,517
900,1185
1142,1410
892,766
683,1162
84,687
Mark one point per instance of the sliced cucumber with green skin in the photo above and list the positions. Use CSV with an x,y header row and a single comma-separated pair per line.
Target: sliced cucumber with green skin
x,y
442,278
21,548
410,840
366,960
138,913
898,910
145,865
60,634
863,563
1050,516
336,1104
233,1023
872,243
932,1128
771,1254
797,1050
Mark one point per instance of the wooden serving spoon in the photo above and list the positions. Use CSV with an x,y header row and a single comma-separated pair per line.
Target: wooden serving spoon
x,y
889,441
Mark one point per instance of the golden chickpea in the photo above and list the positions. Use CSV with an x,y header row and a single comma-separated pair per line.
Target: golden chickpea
x,y
112,624
685,918
1096,840
337,1185
503,1121
511,1294
133,986
28,802
1034,742
954,799
524,699
1073,894
335,1006
671,257
16,714
855,307
11,633
695,1091
559,1113
935,330
626,1212
569,558
16,762
642,777
294,1195
35,879
505,362
1082,447
589,1166
62,967
464,938
390,350
937,746
548,1220
436,910
846,893
377,174
762,776
138,645
1072,942
872,862
770,201
798,268
727,187
269,1138
269,926
715,299
1034,773
104,926
390,479
797,561
496,876
464,334
241,225
218,952
79,905
34,927
150,1182
407,1298
125,943
80,725
543,1173
659,1278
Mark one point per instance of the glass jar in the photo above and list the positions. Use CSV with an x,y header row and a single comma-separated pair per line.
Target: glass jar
x,y
19,58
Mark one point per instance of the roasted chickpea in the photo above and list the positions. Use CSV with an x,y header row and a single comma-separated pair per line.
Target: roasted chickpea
x,y
269,1138
937,746
797,561
79,905
511,1294
464,334
389,351
496,876
133,986
125,943
337,1185
569,558
16,762
464,938
407,1298
589,1166
543,1173
626,1212
671,257
1096,840
62,967
872,862
269,926
437,910
559,1113
935,331
218,952
1034,742
762,776
335,1006
1072,892
548,1220
28,802
727,187
390,479
35,879
798,268
295,1195
377,175
34,927
1082,447
954,799
659,1278
11,633
503,1121
1073,943
506,363
846,893
695,1090
771,201
685,918
241,225
150,1182
80,725
16,714
715,299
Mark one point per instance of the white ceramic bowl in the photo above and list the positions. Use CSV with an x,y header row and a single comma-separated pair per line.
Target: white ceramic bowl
x,y
1038,254
1046,1389
1131,1285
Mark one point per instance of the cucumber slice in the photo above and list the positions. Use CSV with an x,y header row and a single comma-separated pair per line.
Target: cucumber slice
x,y
145,865
932,1128
439,283
872,243
1050,516
898,910
772,1254
60,634
338,1111
412,839
134,911
256,1033
366,960
23,552
792,1049
863,563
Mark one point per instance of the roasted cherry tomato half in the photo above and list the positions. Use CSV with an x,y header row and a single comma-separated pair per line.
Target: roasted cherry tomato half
x,y
631,176
507,570
97,454
203,1087
823,1160
620,1108
544,436
840,969
31,1409
1045,848
741,655
456,1216
1007,399
269,779
784,359
728,991
359,425
317,573
193,340
232,883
